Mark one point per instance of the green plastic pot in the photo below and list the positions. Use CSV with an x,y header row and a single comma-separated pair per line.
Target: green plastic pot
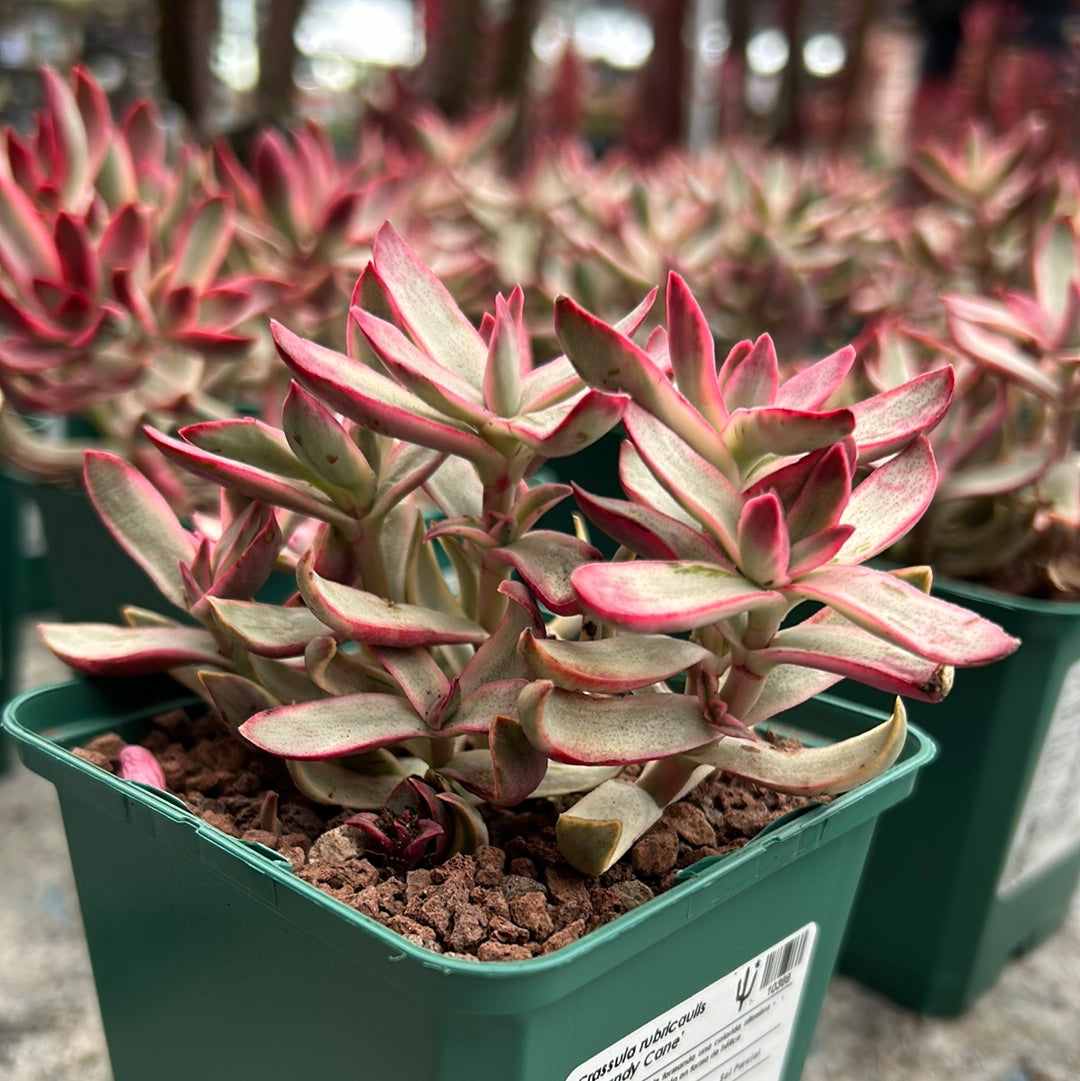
x,y
23,586
982,863
211,959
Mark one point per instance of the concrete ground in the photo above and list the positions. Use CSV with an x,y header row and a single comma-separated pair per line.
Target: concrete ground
x,y
1027,1028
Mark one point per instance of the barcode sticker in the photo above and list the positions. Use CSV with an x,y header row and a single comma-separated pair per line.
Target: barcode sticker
x,y
738,1027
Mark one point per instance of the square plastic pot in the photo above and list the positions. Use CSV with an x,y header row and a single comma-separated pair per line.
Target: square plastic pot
x,y
981,864
211,959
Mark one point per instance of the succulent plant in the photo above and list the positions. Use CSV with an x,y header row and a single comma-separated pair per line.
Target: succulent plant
x,y
437,630
1007,511
116,299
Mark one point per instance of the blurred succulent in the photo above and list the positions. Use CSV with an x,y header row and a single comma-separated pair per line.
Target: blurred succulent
x,y
116,300
1007,511
437,632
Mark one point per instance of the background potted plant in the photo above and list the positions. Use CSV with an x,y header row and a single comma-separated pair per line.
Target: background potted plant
x,y
408,689
998,855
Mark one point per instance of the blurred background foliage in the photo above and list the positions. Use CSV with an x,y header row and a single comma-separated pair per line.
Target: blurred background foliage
x,y
644,75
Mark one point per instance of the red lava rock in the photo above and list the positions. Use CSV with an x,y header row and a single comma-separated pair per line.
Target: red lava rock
x,y
489,865
657,851
262,837
96,758
570,933
690,824
515,885
410,929
470,926
109,744
502,951
522,867
503,930
221,822
530,910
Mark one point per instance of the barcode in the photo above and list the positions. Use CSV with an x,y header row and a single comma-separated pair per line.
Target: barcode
x,y
786,957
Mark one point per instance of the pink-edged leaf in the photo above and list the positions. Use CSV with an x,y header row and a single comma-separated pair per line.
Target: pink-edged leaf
x,y
248,480
101,649
536,502
610,665
565,429
373,620
93,106
248,551
509,357
888,421
851,652
270,630
589,730
1004,357
555,381
139,764
236,697
132,296
812,551
812,387
126,238
645,531
763,540
1055,265
140,519
420,373
373,400
545,560
693,352
331,727
704,492
650,596
900,613
26,246
830,769
77,258
144,132
814,489
755,434
1024,466
318,440
405,469
476,711
749,377
66,125
497,659
993,315
248,441
785,687
608,360
509,771
456,489
202,242
281,185
421,680
889,502
427,309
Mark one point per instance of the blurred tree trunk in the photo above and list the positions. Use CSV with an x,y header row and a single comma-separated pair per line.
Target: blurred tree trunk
x,y
512,75
275,94
185,31
660,117
454,31
852,102
733,69
787,128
